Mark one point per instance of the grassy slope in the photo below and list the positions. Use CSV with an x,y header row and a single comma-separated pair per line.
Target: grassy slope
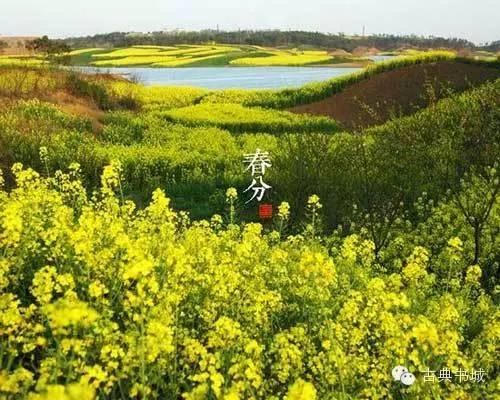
x,y
193,149
375,100
287,98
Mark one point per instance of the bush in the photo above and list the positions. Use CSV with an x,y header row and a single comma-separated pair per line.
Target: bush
x,y
93,90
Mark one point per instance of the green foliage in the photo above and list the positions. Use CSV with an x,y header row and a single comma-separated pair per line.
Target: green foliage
x,y
85,88
32,124
240,119
54,50
318,91
394,162
158,97
48,46
188,147
123,128
273,38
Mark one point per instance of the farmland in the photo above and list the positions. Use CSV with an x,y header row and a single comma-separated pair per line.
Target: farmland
x,y
206,55
131,267
194,55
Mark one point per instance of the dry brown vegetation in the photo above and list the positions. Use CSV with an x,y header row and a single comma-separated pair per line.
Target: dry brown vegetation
x,y
77,94
16,45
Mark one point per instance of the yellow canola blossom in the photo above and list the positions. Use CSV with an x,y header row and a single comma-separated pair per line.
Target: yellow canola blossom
x,y
101,299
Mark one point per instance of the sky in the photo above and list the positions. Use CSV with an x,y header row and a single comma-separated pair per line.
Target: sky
x,y
477,20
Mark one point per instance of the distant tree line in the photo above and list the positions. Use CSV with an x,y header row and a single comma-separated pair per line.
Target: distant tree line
x,y
492,46
271,38
52,49
48,46
3,45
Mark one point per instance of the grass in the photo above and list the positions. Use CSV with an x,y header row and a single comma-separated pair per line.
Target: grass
x,y
159,97
170,133
239,119
20,61
309,93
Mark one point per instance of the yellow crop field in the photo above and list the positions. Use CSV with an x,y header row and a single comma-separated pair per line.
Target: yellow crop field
x,y
156,56
83,51
163,97
133,60
135,265
20,61
155,47
129,52
199,55
185,61
283,59
218,50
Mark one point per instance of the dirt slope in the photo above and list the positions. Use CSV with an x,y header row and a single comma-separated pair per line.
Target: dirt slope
x,y
401,91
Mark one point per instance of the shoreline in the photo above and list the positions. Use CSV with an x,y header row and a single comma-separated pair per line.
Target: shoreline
x,y
339,65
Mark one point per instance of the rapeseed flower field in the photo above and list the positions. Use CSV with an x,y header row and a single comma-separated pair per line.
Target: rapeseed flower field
x,y
130,266
199,55
101,299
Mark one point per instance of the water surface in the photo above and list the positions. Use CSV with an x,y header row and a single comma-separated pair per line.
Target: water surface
x,y
380,58
228,77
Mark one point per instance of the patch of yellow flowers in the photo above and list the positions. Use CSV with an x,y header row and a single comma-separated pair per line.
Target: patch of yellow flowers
x,y
99,299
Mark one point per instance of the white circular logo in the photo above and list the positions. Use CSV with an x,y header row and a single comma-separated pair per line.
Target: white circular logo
x,y
398,371
407,378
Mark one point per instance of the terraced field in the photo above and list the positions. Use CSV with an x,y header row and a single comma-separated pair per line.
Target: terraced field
x,y
193,56
282,58
199,55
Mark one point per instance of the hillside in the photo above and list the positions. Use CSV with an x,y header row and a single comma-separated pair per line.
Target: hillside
x,y
180,139
132,266
270,38
398,92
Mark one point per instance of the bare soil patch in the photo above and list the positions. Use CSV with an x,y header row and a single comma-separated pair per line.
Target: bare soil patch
x,y
398,92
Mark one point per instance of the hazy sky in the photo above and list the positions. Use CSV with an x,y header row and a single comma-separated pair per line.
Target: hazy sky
x,y
477,20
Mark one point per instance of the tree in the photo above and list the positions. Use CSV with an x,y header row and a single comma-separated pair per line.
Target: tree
x,y
3,45
54,50
476,200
